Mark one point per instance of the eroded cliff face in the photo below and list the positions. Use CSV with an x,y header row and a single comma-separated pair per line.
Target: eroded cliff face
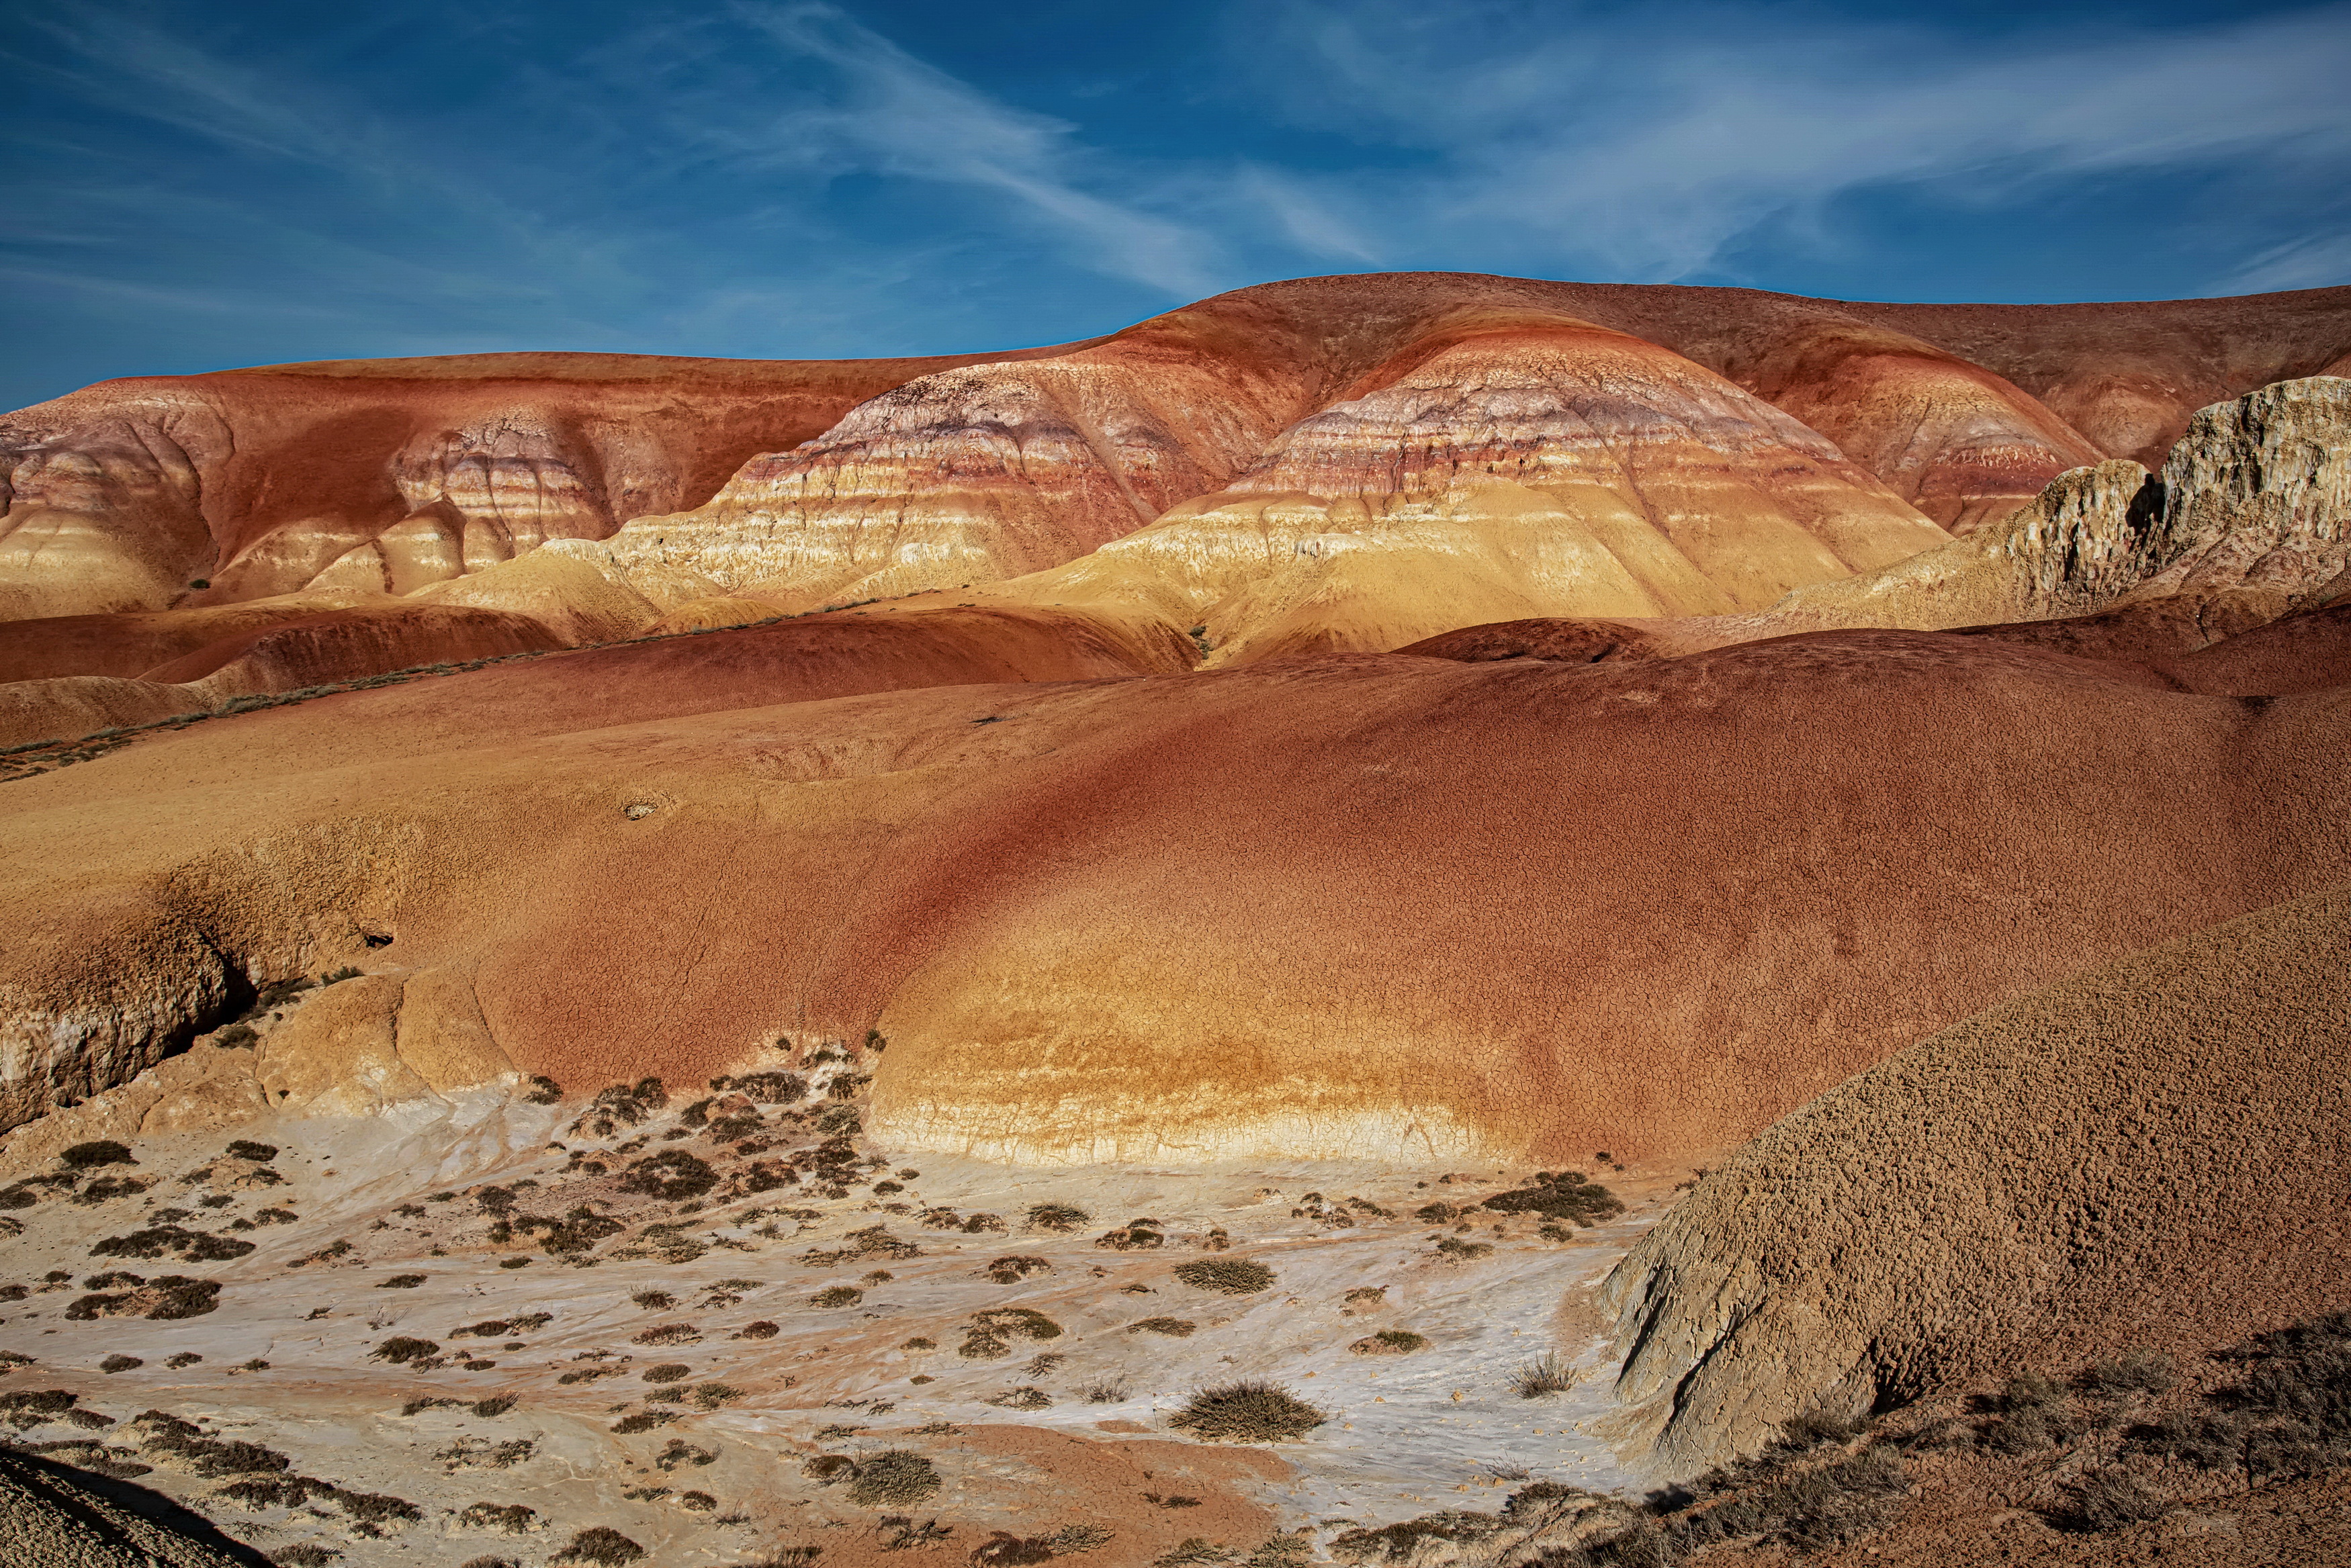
x,y
2246,522
104,513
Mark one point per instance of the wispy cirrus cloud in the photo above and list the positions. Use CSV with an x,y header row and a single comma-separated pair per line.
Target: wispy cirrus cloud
x,y
894,114
194,187
1646,141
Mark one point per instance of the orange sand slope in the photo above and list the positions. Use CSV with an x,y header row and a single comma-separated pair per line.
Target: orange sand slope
x,y
1355,906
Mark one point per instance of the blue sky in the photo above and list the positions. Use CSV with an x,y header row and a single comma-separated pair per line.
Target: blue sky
x,y
193,186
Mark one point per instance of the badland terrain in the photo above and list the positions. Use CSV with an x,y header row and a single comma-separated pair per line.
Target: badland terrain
x,y
1404,920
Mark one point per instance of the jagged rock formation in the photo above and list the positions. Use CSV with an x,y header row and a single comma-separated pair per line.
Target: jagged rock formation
x,y
2249,520
2137,1154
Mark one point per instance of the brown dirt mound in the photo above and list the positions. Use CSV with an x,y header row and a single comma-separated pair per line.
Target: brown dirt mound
x,y
2142,1154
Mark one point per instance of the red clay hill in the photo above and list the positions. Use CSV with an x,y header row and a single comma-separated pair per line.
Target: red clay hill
x,y
1476,448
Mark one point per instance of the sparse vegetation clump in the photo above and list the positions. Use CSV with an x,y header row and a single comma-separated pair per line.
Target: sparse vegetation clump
x,y
1012,1270
1544,1375
403,1349
837,1296
245,1148
1174,1327
1389,1341
668,1333
896,1476
1251,1411
1056,1217
2288,1416
512,1518
1226,1276
671,1175
1135,1235
1023,1398
165,1298
602,1547
188,1246
94,1154
623,1104
1560,1194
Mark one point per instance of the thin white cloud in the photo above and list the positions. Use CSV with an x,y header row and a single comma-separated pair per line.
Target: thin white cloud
x,y
2314,263
1645,141
900,116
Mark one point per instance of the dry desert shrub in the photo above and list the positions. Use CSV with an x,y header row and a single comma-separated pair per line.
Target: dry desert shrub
x,y
1544,1375
895,1476
2289,1415
400,1282
654,1300
760,1330
1251,1411
512,1518
94,1154
1132,1236
1103,1393
837,1296
668,1333
1226,1276
1389,1341
1012,1270
1022,1399
2110,1497
401,1349
119,1363
600,1545
1174,1327
1056,1217
668,1372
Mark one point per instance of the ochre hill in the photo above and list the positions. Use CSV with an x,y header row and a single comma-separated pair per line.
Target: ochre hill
x,y
1359,906
786,486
